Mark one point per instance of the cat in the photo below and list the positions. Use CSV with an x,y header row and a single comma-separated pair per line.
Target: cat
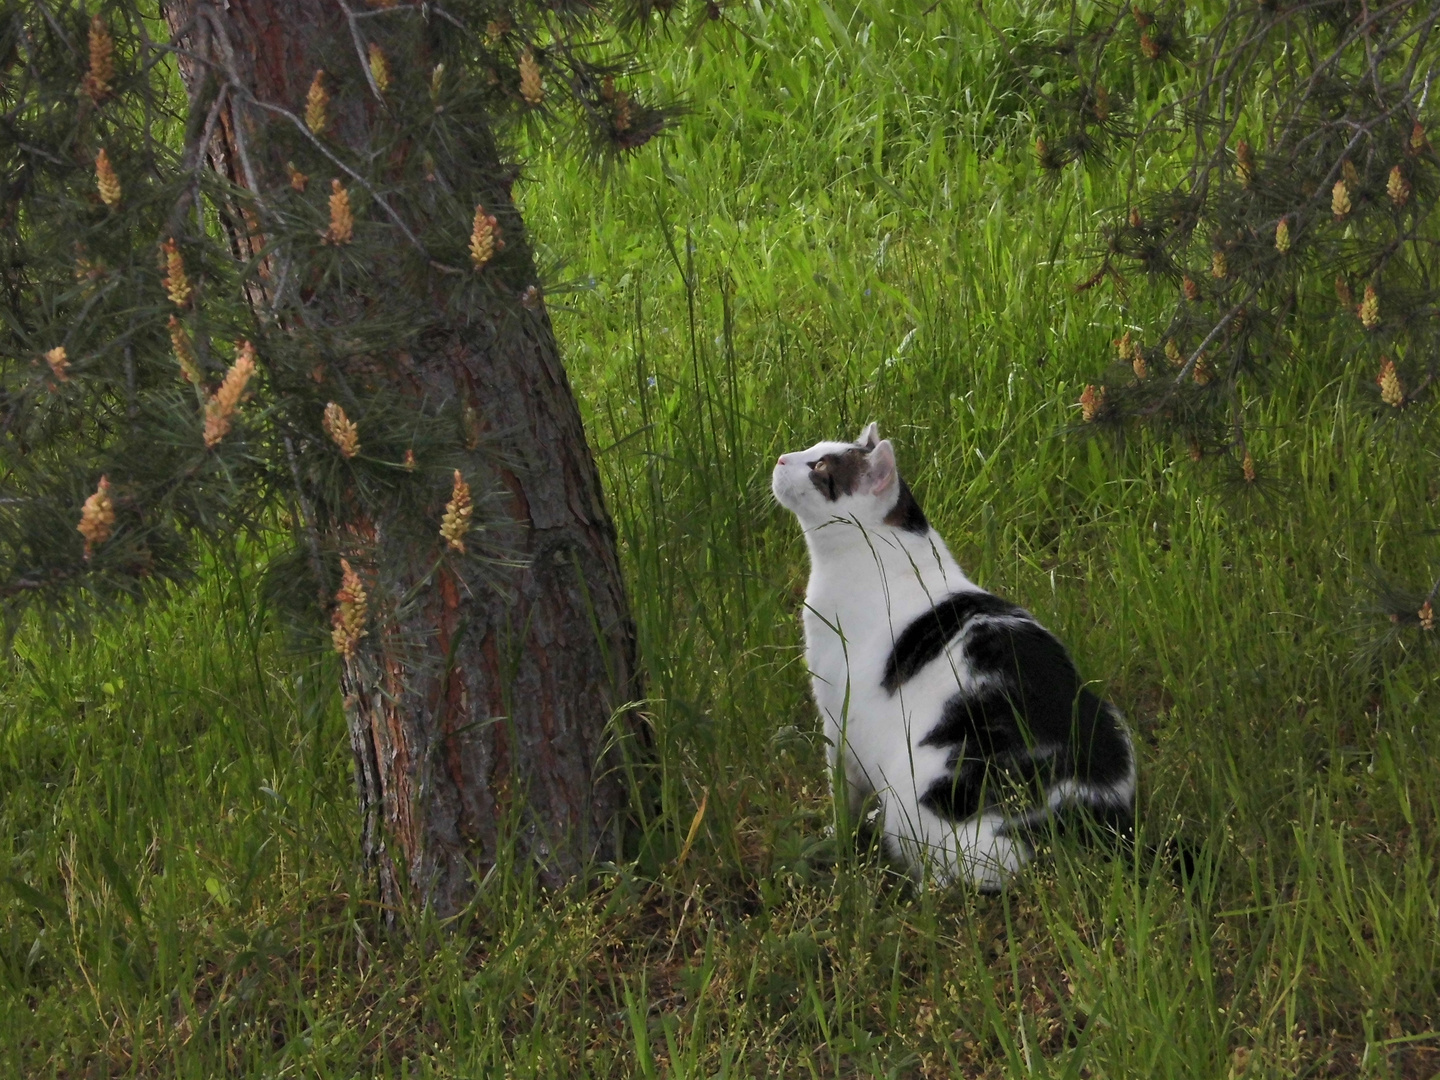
x,y
956,710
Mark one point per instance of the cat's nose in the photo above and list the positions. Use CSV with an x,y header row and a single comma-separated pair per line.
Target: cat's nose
x,y
782,459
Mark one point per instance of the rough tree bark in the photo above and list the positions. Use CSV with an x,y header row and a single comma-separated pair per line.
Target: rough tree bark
x,y
511,728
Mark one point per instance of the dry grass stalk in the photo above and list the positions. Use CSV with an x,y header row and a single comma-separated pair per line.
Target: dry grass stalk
x,y
97,82
1340,200
484,238
347,623
342,221
532,86
1397,187
379,68
1244,163
342,431
177,282
106,180
223,404
1392,391
1369,310
317,105
456,522
185,352
97,517
59,363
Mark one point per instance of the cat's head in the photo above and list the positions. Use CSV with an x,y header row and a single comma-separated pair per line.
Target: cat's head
x,y
856,481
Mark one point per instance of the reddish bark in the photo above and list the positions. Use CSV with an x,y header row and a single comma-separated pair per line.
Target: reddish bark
x,y
442,755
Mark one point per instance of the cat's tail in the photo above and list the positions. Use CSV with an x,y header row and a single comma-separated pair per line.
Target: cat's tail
x,y
1103,826
1105,823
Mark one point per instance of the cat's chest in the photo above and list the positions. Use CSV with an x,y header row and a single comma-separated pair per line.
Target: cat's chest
x,y
849,635
858,603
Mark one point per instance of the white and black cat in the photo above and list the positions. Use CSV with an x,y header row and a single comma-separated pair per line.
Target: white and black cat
x,y
962,714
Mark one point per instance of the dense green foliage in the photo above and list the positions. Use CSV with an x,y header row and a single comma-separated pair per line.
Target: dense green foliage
x,y
1279,185
851,225
155,279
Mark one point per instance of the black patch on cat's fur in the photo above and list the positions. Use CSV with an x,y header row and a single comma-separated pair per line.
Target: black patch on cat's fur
x,y
906,513
1032,725
839,474
1048,695
990,758
925,638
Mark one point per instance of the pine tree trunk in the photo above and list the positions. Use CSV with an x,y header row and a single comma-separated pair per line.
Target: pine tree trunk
x,y
493,727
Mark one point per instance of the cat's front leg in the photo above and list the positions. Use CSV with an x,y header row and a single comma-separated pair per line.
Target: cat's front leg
x,y
850,787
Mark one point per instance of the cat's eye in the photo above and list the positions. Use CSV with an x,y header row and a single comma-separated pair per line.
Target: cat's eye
x,y
821,465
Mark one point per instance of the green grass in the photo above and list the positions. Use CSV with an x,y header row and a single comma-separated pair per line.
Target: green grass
x,y
847,227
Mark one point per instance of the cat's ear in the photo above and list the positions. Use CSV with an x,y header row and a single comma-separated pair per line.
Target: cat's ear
x,y
881,471
869,437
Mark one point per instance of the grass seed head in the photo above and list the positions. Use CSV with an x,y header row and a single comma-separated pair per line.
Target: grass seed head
x,y
1138,365
1190,289
532,86
1172,352
485,238
1369,310
225,402
1351,175
317,105
59,363
1342,290
1203,372
298,180
342,221
1092,400
1427,616
342,431
97,81
1418,142
1397,187
1247,468
1219,267
347,622
456,522
409,462
106,180
97,517
177,283
1282,236
1392,391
